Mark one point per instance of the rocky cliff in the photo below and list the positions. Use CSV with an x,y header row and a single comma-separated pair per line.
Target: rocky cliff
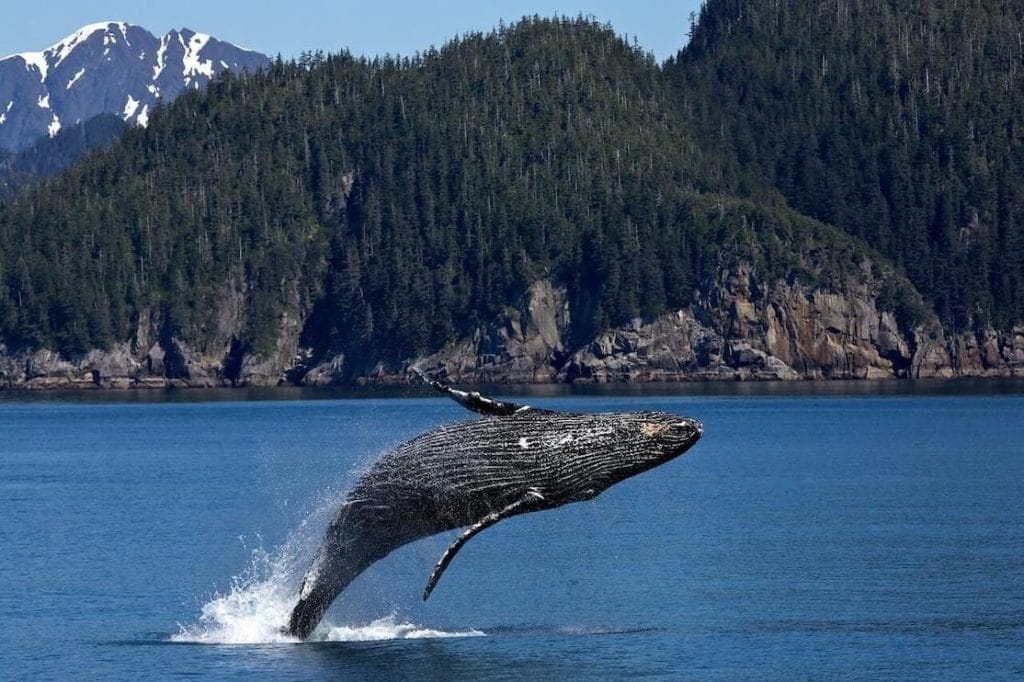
x,y
741,328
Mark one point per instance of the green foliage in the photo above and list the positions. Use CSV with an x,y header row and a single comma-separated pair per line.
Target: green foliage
x,y
898,122
49,156
395,204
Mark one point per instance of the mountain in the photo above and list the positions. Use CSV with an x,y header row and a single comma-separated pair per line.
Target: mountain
x,y
525,205
48,156
107,68
899,123
539,203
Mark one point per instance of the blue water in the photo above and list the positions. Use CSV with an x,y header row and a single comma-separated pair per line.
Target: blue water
x,y
804,536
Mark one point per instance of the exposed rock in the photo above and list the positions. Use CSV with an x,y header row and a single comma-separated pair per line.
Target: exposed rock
x,y
524,345
332,371
740,328
272,369
989,353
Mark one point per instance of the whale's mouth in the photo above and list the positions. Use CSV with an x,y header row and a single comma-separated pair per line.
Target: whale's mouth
x,y
695,424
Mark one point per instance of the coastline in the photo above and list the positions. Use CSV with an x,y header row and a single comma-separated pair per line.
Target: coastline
x,y
789,334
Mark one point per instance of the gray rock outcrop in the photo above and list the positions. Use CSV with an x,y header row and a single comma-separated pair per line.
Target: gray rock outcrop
x,y
740,328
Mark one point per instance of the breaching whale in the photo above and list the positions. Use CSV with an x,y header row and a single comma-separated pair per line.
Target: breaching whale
x,y
514,459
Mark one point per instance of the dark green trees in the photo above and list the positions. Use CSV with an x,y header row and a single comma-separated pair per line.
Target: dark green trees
x,y
897,122
392,205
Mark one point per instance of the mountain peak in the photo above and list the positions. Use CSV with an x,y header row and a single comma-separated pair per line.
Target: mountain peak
x,y
107,67
62,48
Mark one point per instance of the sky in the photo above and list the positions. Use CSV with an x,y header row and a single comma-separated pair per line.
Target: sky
x,y
366,27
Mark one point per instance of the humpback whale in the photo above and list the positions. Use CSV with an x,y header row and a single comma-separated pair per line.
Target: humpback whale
x,y
511,460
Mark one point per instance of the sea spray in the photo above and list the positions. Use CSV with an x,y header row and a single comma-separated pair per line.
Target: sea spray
x,y
387,627
259,601
255,609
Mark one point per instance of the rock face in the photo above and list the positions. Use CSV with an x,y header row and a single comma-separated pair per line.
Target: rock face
x,y
524,345
740,328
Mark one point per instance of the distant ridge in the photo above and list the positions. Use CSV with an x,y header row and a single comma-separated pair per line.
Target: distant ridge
x,y
107,68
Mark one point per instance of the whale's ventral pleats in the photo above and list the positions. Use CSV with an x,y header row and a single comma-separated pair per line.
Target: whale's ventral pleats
x,y
512,460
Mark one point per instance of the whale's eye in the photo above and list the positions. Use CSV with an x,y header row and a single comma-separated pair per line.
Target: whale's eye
x,y
653,429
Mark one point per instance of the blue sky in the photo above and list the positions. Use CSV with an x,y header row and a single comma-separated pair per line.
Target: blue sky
x,y
365,27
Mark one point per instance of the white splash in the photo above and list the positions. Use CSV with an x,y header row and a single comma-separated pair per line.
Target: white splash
x,y
385,628
44,102
143,118
256,608
54,126
253,612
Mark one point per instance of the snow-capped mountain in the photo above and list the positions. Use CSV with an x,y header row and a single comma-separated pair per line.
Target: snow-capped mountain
x,y
109,67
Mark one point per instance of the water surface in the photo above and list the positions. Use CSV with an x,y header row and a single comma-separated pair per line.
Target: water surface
x,y
817,535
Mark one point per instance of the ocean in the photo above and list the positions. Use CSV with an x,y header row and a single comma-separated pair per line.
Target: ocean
x,y
816,531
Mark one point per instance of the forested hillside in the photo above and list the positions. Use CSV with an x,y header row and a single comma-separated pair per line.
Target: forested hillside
x,y
901,123
527,204
50,155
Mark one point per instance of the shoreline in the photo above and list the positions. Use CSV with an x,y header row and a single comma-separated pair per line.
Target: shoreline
x,y
955,386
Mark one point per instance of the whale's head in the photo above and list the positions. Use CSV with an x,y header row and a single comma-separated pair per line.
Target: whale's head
x,y
622,445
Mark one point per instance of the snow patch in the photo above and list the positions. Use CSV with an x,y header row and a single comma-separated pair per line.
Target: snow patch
x,y
54,126
153,90
143,118
44,101
130,106
3,116
36,59
75,79
60,50
64,48
160,52
193,64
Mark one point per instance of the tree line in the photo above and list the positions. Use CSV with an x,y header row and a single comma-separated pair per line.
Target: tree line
x,y
394,204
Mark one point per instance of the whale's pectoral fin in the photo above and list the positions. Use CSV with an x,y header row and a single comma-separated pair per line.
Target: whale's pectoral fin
x,y
473,400
531,501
